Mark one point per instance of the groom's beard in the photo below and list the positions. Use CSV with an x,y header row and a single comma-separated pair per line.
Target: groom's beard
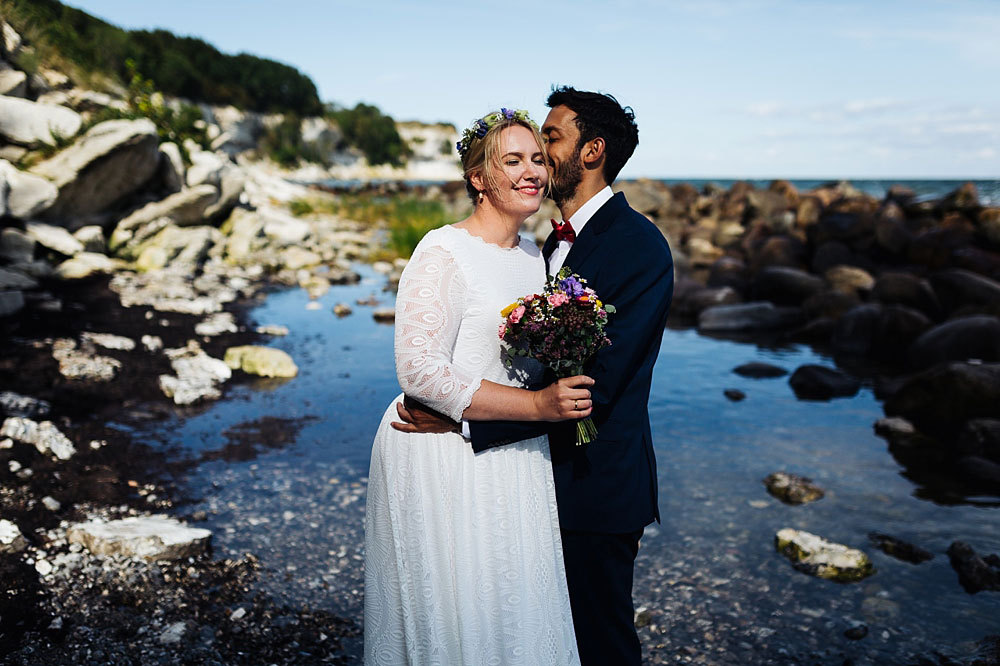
x,y
566,177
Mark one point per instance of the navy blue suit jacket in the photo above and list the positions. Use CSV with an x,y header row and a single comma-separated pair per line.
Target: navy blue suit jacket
x,y
609,485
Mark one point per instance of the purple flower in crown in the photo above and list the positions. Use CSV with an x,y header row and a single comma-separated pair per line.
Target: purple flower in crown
x,y
507,113
481,128
572,287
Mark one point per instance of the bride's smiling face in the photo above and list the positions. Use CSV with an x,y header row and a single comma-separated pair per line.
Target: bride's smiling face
x,y
520,176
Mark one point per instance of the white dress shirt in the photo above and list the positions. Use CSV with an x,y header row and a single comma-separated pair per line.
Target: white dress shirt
x,y
578,221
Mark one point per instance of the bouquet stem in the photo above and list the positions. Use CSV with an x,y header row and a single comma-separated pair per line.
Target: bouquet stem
x,y
586,431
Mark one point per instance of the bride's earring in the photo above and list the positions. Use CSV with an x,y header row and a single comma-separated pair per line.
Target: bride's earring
x,y
480,196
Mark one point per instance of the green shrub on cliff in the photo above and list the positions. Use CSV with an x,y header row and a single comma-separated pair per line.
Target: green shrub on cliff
x,y
88,48
175,123
373,132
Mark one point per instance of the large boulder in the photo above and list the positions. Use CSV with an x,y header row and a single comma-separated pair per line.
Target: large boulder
x,y
747,316
989,224
16,246
981,438
24,195
784,285
897,288
957,288
816,382
947,396
148,537
12,279
975,573
960,339
32,124
183,208
112,160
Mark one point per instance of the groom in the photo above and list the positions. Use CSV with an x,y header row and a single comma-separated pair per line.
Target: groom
x,y
606,489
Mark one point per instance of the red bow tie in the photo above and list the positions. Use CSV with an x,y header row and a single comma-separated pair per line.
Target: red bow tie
x,y
564,231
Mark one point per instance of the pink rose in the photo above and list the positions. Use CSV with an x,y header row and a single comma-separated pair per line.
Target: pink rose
x,y
516,315
502,330
557,299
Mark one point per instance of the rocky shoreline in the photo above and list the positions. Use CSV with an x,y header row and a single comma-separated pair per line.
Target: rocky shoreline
x,y
126,271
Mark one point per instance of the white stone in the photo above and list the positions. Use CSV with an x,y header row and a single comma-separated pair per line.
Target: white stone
x,y
45,436
216,324
148,537
196,375
282,228
86,264
273,329
51,503
152,342
92,238
206,167
823,558
182,208
24,195
11,40
232,180
29,123
109,341
55,238
13,83
82,364
11,540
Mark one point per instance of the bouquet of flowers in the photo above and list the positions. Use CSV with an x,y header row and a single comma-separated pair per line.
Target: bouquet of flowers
x,y
562,328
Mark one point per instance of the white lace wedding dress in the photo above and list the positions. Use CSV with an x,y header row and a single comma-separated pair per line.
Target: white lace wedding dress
x,y
463,560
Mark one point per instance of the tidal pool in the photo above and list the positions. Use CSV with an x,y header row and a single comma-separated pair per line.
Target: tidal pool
x,y
284,464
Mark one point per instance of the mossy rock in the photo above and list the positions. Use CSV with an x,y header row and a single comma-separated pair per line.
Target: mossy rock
x,y
262,361
821,558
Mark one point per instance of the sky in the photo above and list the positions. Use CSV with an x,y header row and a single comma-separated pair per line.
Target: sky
x,y
720,88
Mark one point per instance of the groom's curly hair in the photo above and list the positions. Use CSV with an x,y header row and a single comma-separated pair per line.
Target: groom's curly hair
x,y
600,115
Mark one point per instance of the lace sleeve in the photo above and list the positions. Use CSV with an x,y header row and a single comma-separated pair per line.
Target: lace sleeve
x,y
429,308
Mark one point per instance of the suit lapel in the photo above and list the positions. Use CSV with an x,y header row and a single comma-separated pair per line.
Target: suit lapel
x,y
589,239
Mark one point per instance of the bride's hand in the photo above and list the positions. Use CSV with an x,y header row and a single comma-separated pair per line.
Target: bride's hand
x,y
568,398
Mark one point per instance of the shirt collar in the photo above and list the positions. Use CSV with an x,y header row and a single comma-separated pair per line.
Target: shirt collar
x,y
580,218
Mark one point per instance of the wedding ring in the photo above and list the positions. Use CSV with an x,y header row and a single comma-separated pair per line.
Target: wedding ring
x,y
576,405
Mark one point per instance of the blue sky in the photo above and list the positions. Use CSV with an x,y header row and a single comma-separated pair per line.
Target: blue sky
x,y
721,88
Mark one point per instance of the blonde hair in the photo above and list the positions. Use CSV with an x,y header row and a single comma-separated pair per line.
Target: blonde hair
x,y
484,152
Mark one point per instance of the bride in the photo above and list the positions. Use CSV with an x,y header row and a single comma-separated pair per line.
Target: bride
x,y
463,559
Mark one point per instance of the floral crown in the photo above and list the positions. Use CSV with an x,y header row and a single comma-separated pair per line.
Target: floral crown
x,y
479,128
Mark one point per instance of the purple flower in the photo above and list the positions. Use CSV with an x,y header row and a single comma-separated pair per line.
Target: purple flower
x,y
507,113
572,287
481,128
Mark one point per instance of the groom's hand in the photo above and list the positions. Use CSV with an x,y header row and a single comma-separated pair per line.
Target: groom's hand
x,y
418,417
